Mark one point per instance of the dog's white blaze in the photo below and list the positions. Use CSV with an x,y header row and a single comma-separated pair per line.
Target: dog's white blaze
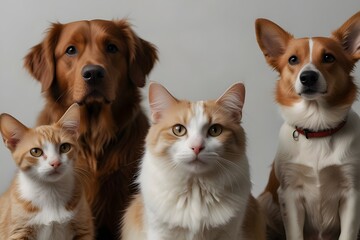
x,y
310,66
311,45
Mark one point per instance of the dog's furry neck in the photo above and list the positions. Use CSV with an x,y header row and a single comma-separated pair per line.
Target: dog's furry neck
x,y
93,110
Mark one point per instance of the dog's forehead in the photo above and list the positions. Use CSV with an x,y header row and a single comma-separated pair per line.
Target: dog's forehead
x,y
298,46
76,31
314,46
319,42
104,26
327,44
81,32
75,26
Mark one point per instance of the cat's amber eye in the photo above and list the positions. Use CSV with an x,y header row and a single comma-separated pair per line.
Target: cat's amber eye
x,y
36,152
65,147
215,130
179,130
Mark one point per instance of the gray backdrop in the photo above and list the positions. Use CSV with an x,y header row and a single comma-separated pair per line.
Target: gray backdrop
x,y
204,47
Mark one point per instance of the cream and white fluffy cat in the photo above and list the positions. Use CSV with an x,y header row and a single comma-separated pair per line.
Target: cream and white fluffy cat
x,y
194,178
45,200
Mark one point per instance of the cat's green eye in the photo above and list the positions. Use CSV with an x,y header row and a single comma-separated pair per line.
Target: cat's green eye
x,y
179,130
215,130
65,147
36,152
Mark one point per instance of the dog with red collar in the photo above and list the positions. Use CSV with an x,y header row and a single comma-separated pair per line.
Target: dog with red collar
x,y
314,185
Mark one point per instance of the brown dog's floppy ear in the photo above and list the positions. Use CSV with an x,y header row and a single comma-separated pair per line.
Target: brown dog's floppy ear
x,y
142,54
40,60
142,62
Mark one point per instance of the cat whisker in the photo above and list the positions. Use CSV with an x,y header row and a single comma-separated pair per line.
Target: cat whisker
x,y
239,169
225,173
171,165
230,169
233,153
232,175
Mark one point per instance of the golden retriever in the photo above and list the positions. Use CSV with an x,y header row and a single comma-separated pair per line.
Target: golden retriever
x,y
100,65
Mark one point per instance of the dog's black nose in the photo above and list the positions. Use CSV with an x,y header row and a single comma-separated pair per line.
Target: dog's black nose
x,y
92,73
309,78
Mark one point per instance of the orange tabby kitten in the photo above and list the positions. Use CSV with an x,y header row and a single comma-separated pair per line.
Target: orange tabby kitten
x,y
45,200
194,178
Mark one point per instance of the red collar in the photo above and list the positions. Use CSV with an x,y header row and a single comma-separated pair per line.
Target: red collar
x,y
318,134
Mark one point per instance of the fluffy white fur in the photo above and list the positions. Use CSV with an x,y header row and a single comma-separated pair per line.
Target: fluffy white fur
x,y
51,198
187,199
184,207
303,202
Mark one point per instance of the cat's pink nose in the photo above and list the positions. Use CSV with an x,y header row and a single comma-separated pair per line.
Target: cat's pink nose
x,y
55,164
197,149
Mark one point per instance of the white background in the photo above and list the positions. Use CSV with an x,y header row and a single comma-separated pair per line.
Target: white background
x,y
204,47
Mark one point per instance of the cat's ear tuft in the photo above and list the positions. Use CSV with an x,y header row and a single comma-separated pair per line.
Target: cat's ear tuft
x,y
160,99
233,99
11,130
70,121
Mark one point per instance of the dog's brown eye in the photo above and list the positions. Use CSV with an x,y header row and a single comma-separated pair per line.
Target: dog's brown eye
x,y
71,51
111,48
328,58
293,60
179,130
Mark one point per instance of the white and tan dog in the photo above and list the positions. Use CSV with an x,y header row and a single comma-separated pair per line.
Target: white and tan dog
x,y
314,186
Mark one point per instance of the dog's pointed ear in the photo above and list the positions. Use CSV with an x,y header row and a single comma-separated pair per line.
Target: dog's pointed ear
x,y
272,40
142,54
349,36
40,60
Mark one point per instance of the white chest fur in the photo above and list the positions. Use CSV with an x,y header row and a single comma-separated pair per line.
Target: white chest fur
x,y
52,219
54,231
183,209
316,175
319,153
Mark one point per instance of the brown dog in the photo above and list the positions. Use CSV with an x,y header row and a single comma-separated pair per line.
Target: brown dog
x,y
313,188
100,65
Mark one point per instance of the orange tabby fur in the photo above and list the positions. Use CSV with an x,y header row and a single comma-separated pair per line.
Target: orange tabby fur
x,y
16,212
